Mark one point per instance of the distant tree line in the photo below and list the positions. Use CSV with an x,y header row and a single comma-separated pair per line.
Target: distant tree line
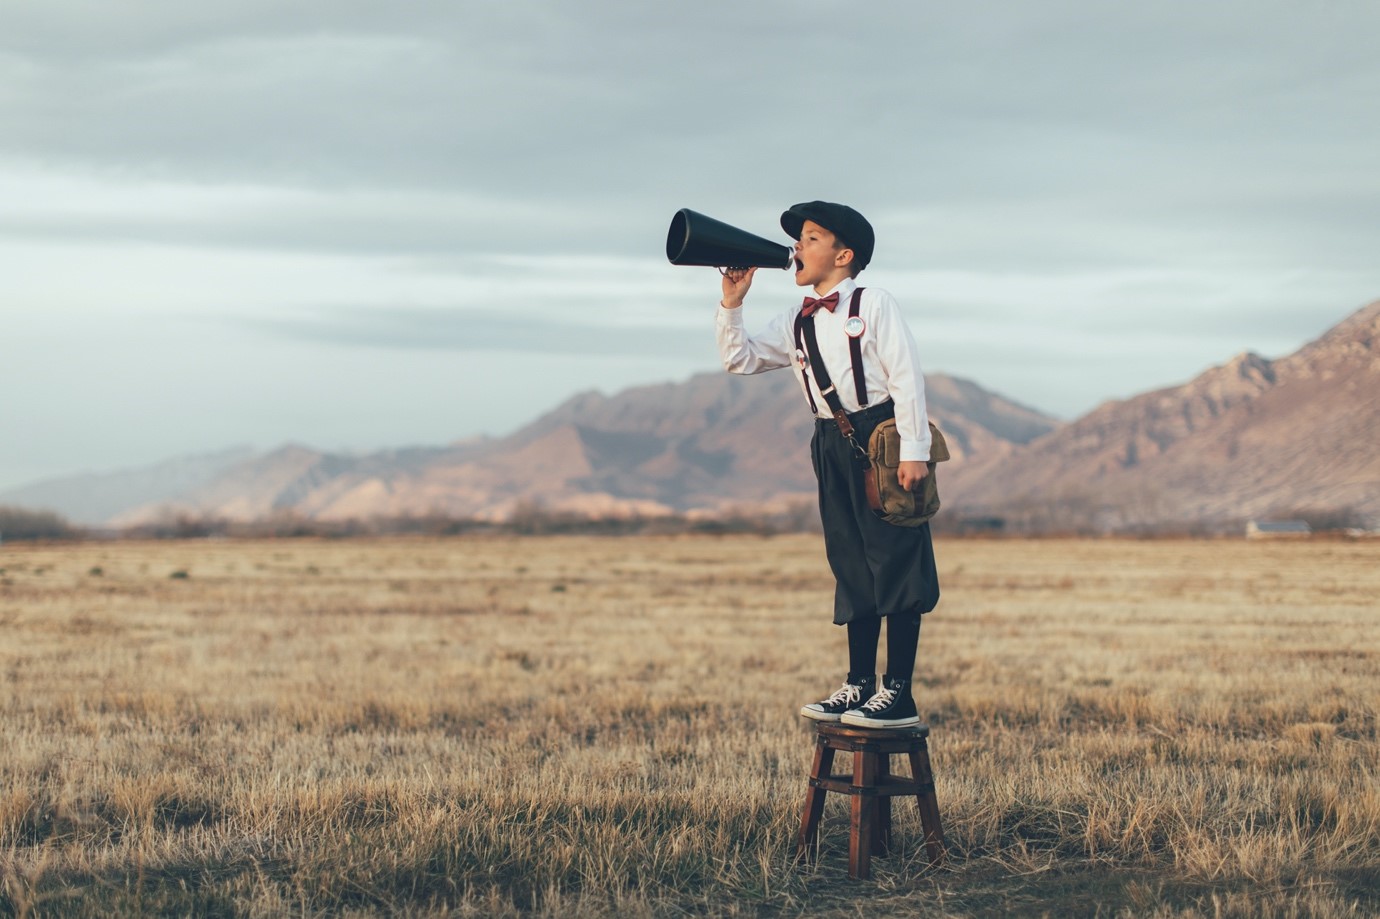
x,y
1074,516
1323,520
526,519
19,524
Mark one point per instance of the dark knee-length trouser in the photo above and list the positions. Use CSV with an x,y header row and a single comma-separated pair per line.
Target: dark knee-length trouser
x,y
879,568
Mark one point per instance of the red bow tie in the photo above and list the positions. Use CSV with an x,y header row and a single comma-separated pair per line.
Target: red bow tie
x,y
807,309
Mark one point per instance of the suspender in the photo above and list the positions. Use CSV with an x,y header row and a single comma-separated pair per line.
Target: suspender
x,y
800,349
806,341
855,351
805,329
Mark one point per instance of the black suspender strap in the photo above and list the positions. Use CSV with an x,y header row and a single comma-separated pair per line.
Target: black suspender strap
x,y
800,349
806,327
854,354
855,351
822,379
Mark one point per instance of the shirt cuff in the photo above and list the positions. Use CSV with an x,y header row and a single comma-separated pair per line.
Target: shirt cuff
x,y
915,451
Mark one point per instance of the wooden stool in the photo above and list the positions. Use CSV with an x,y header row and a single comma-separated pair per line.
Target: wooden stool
x,y
872,786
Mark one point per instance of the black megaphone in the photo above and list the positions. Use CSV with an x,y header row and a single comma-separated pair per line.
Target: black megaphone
x,y
695,239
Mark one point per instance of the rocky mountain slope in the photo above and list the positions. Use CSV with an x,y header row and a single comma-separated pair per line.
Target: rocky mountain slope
x,y
1251,438
709,444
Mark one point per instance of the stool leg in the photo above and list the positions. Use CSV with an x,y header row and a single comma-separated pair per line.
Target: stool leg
x,y
864,814
808,840
881,839
929,804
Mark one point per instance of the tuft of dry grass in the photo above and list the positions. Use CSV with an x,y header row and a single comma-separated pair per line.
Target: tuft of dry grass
x,y
594,726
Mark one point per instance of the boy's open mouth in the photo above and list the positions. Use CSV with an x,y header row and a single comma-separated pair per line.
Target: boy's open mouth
x,y
799,265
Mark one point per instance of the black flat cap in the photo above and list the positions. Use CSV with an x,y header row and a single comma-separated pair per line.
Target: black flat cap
x,y
848,225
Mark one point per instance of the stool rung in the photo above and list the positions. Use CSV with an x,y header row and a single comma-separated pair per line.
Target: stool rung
x,y
886,787
870,746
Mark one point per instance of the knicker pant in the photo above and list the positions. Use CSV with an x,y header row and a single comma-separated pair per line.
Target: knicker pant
x,y
880,569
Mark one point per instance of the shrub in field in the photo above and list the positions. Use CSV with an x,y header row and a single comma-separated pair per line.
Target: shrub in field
x,y
17,523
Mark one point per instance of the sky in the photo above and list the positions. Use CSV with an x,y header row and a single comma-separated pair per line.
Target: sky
x,y
357,226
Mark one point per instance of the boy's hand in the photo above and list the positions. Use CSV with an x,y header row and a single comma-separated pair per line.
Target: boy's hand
x,y
910,473
736,284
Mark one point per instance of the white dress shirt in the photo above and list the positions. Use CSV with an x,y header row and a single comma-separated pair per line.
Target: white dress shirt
x,y
890,358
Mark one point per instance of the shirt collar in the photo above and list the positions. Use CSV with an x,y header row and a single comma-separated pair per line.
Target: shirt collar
x,y
845,289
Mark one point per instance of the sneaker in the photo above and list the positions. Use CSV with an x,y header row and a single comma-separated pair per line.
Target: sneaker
x,y
849,695
891,707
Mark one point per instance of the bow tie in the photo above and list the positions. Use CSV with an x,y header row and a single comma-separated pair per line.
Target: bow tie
x,y
808,308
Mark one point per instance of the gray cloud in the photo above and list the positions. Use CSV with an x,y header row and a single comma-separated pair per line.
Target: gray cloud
x,y
1044,125
411,328
1078,173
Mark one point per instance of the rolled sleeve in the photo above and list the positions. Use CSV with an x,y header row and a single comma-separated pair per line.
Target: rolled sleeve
x,y
900,357
916,451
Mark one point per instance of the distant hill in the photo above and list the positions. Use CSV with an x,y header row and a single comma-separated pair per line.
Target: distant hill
x,y
97,497
1251,438
711,443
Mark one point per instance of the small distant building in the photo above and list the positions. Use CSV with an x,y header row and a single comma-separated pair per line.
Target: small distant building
x,y
1278,529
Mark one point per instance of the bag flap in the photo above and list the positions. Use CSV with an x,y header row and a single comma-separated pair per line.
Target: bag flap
x,y
939,448
884,446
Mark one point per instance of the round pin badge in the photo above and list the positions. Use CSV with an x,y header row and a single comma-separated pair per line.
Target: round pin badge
x,y
800,360
853,327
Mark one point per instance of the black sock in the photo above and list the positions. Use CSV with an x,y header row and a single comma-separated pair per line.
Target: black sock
x,y
902,641
862,648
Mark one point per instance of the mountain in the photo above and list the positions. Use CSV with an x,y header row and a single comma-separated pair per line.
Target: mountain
x,y
1250,438
95,498
712,443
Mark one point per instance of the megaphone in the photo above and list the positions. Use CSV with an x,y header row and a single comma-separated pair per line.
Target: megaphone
x,y
695,239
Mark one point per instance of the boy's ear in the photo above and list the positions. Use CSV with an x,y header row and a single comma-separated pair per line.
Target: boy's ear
x,y
843,257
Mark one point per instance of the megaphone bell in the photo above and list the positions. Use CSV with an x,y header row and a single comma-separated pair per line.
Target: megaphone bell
x,y
695,239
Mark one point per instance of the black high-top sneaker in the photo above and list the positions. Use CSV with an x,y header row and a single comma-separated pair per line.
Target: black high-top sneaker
x,y
850,695
891,707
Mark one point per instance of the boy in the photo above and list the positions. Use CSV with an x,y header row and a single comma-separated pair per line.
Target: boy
x,y
880,570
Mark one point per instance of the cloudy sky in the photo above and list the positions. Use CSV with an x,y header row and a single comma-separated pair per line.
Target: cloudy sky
x,y
358,225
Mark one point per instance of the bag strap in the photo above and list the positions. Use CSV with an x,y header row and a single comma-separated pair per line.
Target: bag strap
x,y
805,326
805,329
805,333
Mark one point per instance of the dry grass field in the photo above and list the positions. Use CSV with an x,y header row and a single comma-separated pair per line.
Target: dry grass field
x,y
587,727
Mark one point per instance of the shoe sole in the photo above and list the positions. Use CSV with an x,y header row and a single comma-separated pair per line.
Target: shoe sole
x,y
878,722
813,715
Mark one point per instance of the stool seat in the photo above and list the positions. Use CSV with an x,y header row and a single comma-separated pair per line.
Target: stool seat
x,y
871,786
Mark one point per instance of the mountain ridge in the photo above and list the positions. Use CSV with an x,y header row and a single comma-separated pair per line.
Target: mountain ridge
x,y
1247,438
709,444
1250,437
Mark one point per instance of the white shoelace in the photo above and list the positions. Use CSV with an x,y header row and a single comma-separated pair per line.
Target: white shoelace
x,y
879,701
846,693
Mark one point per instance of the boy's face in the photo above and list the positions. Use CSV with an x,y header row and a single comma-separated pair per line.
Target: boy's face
x,y
818,257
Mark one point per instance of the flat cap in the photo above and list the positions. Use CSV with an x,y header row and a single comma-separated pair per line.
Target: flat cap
x,y
851,228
